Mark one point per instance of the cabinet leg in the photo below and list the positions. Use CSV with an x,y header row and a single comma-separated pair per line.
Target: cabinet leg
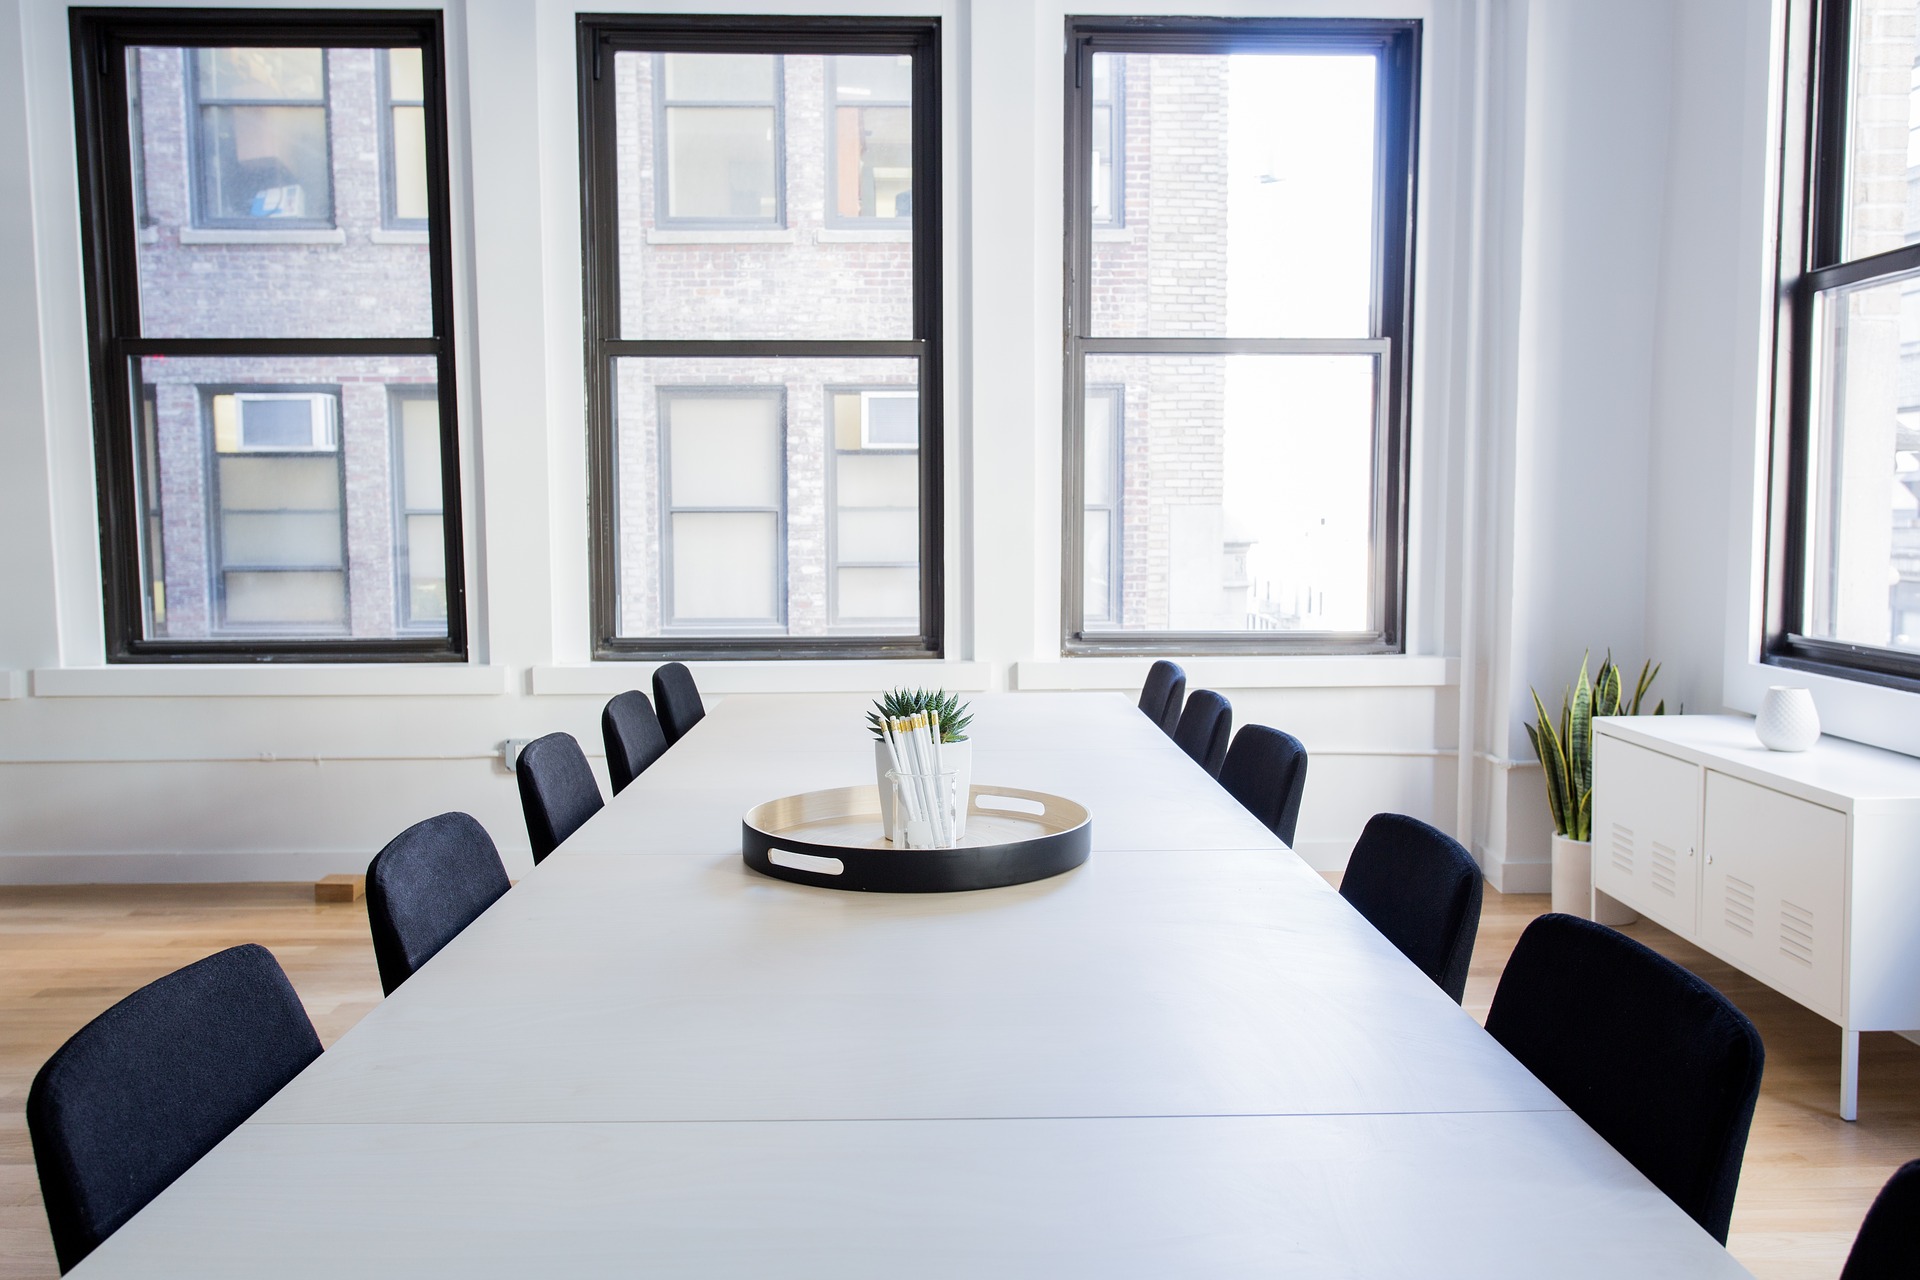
x,y
1849,1073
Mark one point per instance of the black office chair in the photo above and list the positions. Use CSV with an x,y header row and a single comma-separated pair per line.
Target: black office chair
x,y
1266,771
1162,695
557,791
139,1094
1205,725
633,736
1659,1063
430,882
678,700
1888,1246
1421,889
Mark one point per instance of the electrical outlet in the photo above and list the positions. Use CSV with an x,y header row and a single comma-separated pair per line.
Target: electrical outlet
x,y
510,752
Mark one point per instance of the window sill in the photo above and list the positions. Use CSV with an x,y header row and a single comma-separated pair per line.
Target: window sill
x,y
604,679
400,679
389,235
222,235
862,235
1292,671
717,235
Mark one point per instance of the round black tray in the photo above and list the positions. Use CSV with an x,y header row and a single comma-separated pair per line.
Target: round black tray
x,y
832,839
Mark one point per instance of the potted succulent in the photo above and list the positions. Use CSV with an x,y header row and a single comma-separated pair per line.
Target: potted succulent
x,y
956,749
1564,747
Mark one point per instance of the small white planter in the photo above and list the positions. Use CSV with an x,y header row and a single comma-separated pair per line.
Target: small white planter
x,y
954,756
1787,719
1573,891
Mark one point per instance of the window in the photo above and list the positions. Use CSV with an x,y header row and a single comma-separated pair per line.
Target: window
x,y
1844,512
717,118
763,400
1240,357
278,474
403,138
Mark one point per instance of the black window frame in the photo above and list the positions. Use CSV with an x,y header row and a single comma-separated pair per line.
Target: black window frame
x,y
670,622
199,166
601,37
109,242
663,217
1812,217
390,218
830,214
1397,45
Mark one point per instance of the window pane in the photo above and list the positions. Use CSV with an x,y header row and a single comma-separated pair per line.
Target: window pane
x,y
1252,210
426,584
1097,577
719,77
406,76
1097,448
1249,497
420,442
879,480
722,210
1883,209
885,536
233,499
1863,532
724,449
726,566
878,594
242,234
873,79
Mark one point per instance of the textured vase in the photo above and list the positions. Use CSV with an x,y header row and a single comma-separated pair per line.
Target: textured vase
x,y
1787,719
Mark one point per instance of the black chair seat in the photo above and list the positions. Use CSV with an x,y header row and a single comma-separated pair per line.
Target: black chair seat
x,y
677,699
1206,724
430,882
1162,696
1266,771
557,791
633,736
1888,1246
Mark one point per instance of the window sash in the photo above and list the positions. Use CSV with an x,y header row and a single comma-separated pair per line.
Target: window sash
x,y
200,164
390,217
664,216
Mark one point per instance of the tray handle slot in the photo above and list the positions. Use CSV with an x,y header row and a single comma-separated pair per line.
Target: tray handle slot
x,y
806,862
1009,804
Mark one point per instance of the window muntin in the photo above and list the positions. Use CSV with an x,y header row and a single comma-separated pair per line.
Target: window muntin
x,y
403,151
1252,324
242,374
690,328
717,123
870,140
261,146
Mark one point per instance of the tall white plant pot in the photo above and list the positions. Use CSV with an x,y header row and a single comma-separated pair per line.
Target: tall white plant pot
x,y
956,756
1573,891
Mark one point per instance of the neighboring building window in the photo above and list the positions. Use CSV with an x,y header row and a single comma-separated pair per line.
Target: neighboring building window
x,y
1252,327
403,150
1845,504
870,139
874,574
260,144
278,475
723,497
764,402
719,123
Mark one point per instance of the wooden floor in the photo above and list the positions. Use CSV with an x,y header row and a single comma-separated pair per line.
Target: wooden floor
x,y
68,953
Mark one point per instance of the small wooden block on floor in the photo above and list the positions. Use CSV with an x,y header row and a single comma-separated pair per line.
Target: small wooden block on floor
x,y
339,888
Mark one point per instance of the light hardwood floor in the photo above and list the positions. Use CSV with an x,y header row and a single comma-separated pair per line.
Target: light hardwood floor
x,y
68,953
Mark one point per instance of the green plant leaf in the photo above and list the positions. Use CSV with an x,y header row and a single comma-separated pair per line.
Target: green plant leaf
x,y
1583,817
1546,744
1580,737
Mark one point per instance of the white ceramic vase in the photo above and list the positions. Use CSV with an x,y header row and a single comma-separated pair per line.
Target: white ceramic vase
x,y
1573,891
954,756
1787,719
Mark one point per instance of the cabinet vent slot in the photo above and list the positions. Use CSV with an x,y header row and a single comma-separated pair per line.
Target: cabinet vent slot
x,y
1738,912
1622,849
1796,933
1662,865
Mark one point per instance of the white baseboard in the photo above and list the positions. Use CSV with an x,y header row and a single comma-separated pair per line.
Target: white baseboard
x,y
1509,876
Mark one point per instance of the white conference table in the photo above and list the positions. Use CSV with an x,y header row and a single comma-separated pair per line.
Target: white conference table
x,y
1188,1057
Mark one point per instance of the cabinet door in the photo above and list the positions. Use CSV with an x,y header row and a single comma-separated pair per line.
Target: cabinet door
x,y
1773,889
1646,824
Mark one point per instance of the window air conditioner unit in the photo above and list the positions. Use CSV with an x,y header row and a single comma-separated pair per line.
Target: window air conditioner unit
x,y
889,419
288,422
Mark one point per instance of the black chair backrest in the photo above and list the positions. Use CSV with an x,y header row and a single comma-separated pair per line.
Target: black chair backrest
x,y
1162,695
430,882
557,791
633,736
678,699
144,1090
1888,1246
1421,889
1205,726
1659,1063
1266,771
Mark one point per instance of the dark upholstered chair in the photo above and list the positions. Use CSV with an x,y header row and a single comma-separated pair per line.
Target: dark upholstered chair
x,y
633,736
1888,1246
1421,889
430,882
678,699
1162,695
1205,725
557,791
144,1090
1658,1062
1266,771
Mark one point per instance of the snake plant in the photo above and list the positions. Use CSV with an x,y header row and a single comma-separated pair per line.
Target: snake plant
x,y
954,715
1565,746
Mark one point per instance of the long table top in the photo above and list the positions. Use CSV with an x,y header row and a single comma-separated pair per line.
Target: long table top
x,y
1189,1056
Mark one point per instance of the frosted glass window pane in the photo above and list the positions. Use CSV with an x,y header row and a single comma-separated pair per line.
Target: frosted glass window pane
x,y
1097,577
879,480
888,78
725,451
273,484
406,77
280,538
1099,450
719,77
726,566
879,593
289,599
721,163
409,162
420,446
426,569
879,535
